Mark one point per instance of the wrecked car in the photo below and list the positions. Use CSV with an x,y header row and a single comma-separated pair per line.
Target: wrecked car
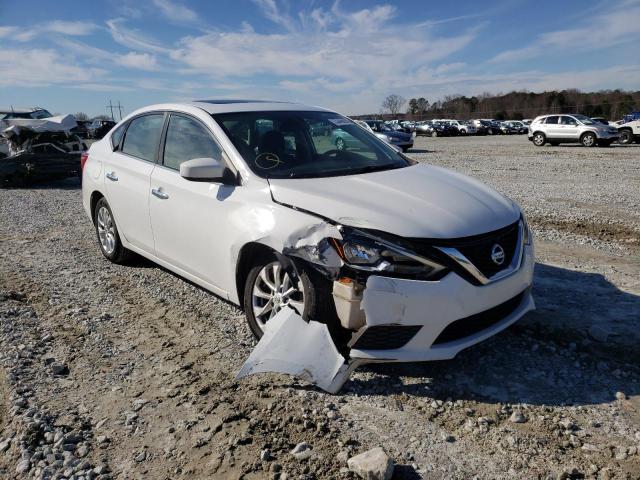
x,y
339,257
38,148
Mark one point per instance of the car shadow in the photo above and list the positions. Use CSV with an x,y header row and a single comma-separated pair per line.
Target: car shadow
x,y
419,150
578,348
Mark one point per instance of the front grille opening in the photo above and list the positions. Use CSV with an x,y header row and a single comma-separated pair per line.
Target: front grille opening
x,y
386,337
479,253
473,324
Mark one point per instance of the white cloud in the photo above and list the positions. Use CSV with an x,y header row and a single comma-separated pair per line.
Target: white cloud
x,y
60,27
603,30
7,31
175,11
39,67
140,61
132,38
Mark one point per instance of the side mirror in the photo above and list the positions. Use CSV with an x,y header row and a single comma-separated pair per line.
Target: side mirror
x,y
203,169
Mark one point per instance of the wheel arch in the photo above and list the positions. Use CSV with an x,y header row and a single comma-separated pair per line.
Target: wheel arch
x,y
96,195
247,256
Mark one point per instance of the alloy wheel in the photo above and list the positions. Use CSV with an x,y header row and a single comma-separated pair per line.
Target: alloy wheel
x,y
106,230
272,291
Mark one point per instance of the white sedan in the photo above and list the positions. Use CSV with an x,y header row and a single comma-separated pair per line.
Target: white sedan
x,y
401,261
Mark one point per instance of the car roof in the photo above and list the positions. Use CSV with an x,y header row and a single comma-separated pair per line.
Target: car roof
x,y
245,105
20,110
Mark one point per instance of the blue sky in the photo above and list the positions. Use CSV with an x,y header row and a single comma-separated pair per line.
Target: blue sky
x,y
346,55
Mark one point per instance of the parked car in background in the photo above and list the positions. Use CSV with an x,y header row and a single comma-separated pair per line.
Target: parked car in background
x,y
463,128
527,121
557,129
518,125
507,128
489,127
296,231
601,120
82,128
394,137
629,128
26,113
99,128
424,128
443,129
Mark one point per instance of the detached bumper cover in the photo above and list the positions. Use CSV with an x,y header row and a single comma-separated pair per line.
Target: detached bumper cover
x,y
435,306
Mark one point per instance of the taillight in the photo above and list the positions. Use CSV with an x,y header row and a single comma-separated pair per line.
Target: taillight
x,y
84,156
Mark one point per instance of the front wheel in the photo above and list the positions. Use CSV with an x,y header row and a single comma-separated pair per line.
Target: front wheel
x,y
626,137
269,288
588,139
539,139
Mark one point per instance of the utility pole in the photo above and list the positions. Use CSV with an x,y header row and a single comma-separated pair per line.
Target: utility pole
x,y
119,109
110,107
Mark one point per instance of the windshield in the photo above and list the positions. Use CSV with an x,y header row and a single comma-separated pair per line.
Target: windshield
x,y
584,119
284,145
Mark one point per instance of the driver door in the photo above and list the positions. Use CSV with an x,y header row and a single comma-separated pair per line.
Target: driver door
x,y
189,218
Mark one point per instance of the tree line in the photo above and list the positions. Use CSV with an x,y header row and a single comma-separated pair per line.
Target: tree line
x,y
611,104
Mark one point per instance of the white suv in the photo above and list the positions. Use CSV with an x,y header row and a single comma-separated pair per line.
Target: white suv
x,y
401,261
557,129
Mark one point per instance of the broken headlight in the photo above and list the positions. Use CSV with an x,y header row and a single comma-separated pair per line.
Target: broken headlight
x,y
362,251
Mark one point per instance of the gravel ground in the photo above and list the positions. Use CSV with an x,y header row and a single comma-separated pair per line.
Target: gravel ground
x,y
127,372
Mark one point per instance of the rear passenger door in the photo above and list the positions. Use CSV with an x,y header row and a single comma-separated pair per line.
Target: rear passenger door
x,y
551,127
127,175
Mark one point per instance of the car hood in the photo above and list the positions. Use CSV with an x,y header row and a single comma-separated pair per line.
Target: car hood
x,y
420,201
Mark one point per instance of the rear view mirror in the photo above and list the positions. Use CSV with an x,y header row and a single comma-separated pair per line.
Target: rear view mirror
x,y
203,169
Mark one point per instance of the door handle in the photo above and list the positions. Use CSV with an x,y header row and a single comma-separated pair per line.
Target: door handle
x,y
159,193
112,176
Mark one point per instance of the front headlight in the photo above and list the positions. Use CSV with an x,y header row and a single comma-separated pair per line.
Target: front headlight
x,y
362,251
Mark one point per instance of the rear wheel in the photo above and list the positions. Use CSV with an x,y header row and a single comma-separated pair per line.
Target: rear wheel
x,y
588,139
539,139
107,233
626,137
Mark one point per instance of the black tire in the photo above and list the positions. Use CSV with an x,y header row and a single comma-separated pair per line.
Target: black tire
x,y
626,137
119,254
588,139
340,145
404,149
313,290
539,139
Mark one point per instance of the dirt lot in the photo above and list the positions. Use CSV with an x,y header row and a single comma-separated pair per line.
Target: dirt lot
x,y
127,372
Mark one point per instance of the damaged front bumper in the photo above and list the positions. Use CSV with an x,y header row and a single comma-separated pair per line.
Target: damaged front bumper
x,y
404,321
412,320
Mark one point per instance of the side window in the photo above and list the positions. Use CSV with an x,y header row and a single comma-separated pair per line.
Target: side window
x,y
188,139
143,135
551,120
564,120
116,136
